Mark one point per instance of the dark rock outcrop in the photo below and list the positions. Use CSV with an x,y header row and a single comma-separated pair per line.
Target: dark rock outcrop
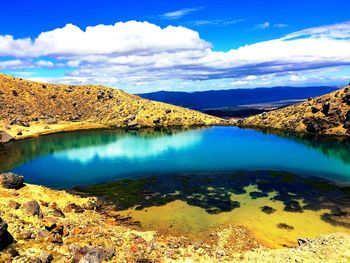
x,y
6,238
11,181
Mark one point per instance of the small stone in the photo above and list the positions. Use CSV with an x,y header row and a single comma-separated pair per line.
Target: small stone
x,y
143,260
74,208
51,121
43,203
46,257
12,251
26,234
43,233
49,223
57,213
33,208
56,235
302,241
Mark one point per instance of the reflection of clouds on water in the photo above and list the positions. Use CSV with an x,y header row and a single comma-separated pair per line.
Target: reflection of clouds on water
x,y
133,147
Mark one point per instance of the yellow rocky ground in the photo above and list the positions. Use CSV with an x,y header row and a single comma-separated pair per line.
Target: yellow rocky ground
x,y
87,224
30,108
328,114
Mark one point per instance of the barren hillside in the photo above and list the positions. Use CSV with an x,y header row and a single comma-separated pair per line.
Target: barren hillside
x,y
328,114
29,108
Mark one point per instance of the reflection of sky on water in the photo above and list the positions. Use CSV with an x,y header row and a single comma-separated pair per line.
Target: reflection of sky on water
x,y
132,147
72,159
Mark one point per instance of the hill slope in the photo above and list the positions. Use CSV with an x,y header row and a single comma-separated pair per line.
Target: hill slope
x,y
229,98
29,108
328,114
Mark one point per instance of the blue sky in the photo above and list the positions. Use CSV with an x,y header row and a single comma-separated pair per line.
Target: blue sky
x,y
177,45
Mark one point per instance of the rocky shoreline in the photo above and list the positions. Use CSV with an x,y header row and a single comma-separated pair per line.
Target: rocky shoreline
x,y
42,225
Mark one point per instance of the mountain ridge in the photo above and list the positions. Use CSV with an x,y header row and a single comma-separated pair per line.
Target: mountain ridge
x,y
29,108
201,100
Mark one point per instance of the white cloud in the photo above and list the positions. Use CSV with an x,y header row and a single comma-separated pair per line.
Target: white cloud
x,y
280,25
138,54
215,22
44,63
121,38
263,25
15,63
179,13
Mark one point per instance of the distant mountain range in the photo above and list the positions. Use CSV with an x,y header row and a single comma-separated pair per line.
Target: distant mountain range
x,y
215,99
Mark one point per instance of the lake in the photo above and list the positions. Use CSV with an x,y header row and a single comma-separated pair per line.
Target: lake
x,y
191,182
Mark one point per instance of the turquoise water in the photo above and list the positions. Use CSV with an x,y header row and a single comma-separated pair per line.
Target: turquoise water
x,y
87,157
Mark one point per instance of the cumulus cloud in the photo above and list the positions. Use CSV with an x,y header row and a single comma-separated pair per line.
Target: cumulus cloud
x,y
139,53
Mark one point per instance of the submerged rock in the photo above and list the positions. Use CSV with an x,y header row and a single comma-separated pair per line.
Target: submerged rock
x,y
255,195
285,226
11,181
268,209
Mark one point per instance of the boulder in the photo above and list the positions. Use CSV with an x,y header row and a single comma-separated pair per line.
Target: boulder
x,y
5,137
347,121
315,124
346,99
11,181
33,208
6,238
325,108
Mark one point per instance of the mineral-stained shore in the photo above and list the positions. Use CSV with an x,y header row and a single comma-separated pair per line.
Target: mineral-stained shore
x,y
43,225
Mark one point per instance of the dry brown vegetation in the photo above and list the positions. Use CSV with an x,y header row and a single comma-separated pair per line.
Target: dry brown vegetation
x,y
30,108
328,114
